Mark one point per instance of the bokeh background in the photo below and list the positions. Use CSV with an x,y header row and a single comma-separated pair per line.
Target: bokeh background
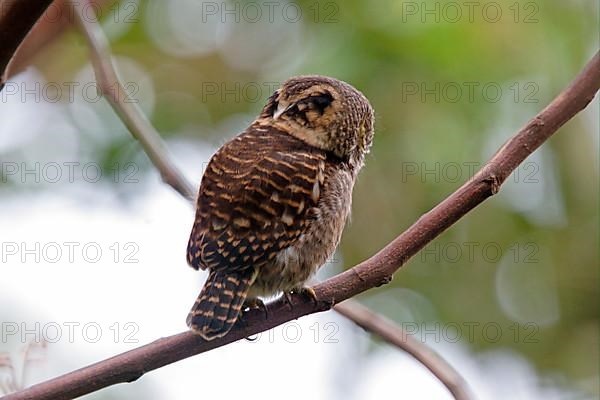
x,y
93,243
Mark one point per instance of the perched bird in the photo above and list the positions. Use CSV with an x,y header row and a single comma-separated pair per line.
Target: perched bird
x,y
274,200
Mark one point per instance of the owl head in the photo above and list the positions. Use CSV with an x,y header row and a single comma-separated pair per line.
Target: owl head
x,y
325,113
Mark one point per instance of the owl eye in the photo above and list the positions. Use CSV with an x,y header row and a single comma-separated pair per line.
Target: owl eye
x,y
320,101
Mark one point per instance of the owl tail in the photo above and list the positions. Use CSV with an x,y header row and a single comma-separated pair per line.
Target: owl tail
x,y
219,304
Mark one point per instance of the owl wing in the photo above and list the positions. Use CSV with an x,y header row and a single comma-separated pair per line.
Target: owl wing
x,y
258,196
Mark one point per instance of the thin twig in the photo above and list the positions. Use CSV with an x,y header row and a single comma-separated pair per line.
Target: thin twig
x,y
375,271
8,384
28,359
11,383
392,333
127,108
103,67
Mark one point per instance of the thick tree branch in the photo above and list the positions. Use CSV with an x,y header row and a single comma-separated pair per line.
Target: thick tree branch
x,y
156,150
17,17
57,18
375,271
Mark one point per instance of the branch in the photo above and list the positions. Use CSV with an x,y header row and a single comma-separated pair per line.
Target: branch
x,y
378,269
156,150
16,20
395,335
127,108
375,271
43,33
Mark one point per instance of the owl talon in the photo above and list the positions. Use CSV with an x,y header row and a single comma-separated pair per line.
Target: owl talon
x,y
303,291
288,299
308,292
253,304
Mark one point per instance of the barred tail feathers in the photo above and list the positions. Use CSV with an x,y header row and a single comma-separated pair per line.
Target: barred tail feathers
x,y
219,304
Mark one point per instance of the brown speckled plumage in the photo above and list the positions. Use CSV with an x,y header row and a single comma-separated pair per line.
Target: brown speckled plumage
x,y
274,200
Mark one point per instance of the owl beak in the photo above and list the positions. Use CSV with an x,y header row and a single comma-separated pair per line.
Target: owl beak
x,y
281,108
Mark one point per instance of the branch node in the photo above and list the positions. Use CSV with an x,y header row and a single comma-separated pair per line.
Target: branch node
x,y
494,183
385,280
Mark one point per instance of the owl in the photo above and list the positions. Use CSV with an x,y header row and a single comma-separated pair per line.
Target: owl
x,y
274,200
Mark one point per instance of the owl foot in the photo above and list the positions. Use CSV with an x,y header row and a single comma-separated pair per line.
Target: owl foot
x,y
303,291
252,304
308,292
256,303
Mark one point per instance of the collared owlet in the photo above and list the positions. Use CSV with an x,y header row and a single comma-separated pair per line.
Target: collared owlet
x,y
274,200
